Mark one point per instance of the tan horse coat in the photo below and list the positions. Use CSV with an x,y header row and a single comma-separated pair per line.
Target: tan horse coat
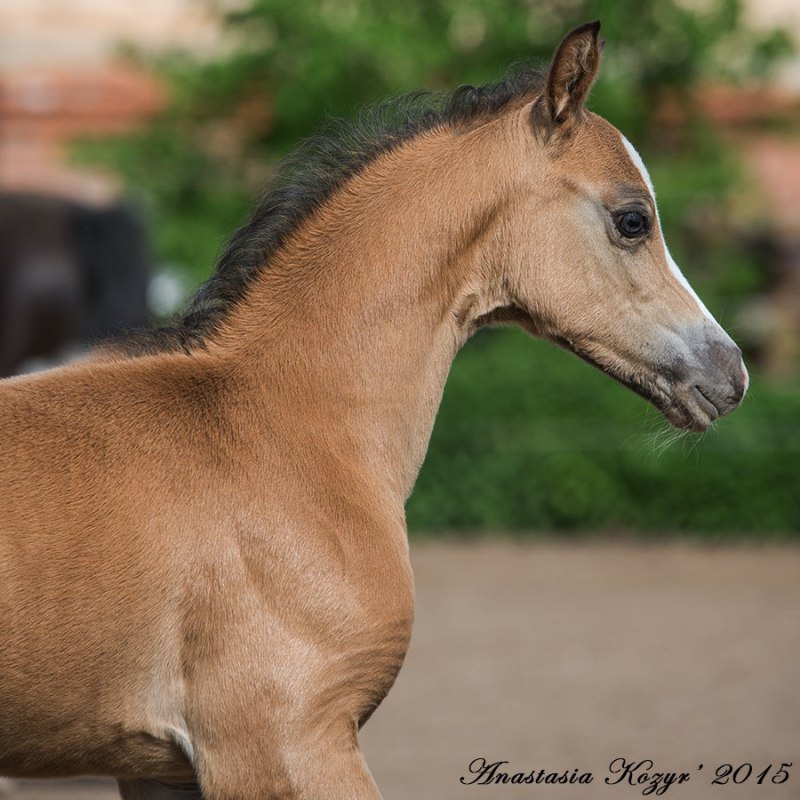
x,y
204,576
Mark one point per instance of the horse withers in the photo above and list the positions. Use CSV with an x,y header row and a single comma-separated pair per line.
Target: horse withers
x,y
204,574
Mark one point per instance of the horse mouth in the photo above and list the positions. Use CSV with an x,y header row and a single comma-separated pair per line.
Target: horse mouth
x,y
687,408
692,409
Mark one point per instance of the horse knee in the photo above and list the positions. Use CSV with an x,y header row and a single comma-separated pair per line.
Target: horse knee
x,y
310,776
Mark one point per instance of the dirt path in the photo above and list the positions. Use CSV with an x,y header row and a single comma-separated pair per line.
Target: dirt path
x,y
559,657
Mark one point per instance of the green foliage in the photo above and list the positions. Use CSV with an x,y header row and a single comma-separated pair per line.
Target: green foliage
x,y
331,57
528,437
193,200
292,63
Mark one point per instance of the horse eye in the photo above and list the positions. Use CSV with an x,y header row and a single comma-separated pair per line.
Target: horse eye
x,y
631,224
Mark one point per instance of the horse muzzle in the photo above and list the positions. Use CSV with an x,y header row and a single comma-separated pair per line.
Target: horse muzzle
x,y
708,385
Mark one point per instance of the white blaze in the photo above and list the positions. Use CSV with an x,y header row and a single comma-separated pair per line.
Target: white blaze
x,y
637,160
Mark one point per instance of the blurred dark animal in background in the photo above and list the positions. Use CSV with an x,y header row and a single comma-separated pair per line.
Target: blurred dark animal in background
x,y
70,275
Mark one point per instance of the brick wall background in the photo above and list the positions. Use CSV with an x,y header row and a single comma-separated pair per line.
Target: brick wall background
x,y
61,76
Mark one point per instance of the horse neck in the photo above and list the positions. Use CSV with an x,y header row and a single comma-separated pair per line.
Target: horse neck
x,y
349,334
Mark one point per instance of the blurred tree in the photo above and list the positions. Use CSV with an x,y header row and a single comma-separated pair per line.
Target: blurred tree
x,y
552,448
331,57
288,64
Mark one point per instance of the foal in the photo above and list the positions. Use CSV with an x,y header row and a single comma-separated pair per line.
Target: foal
x,y
204,577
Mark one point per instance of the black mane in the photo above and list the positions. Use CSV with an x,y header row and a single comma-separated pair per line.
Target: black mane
x,y
307,178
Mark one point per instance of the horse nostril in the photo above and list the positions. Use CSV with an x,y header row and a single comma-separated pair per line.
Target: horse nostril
x,y
737,388
739,383
728,358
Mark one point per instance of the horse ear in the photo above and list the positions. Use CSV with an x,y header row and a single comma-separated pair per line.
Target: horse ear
x,y
572,73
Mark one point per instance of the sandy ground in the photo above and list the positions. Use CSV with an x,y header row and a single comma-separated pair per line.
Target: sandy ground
x,y
563,657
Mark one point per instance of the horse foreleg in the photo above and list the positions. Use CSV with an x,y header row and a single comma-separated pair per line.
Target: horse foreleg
x,y
154,790
308,775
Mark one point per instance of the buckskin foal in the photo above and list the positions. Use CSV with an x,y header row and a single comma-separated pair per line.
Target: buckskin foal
x,y
204,577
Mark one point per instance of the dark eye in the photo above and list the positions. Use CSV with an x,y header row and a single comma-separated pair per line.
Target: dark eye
x,y
631,224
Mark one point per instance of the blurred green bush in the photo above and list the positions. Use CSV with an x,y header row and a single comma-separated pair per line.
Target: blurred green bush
x,y
528,437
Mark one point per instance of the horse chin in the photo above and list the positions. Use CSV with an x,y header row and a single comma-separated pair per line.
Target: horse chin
x,y
690,415
684,407
688,399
